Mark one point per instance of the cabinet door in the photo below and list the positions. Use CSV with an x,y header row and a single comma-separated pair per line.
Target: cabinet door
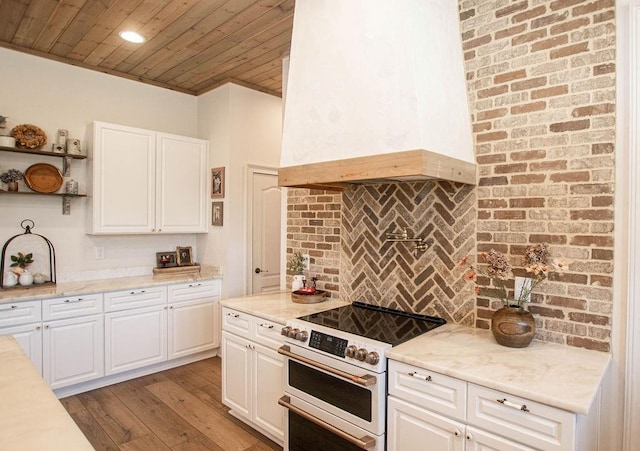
x,y
122,189
479,440
268,368
181,197
135,338
410,428
192,327
236,376
73,350
29,337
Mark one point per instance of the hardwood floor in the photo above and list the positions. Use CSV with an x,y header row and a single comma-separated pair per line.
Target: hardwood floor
x,y
177,409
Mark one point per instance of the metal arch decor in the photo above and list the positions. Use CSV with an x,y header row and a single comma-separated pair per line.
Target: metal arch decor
x,y
27,225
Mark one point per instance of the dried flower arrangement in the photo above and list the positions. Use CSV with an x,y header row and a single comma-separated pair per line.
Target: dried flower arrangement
x,y
498,268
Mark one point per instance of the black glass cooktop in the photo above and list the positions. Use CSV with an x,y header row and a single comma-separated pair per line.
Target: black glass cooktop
x,y
374,322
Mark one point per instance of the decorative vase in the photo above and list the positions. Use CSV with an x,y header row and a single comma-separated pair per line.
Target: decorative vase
x,y
513,327
12,186
296,284
26,278
10,279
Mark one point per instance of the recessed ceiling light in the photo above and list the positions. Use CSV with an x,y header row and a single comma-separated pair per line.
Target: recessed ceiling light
x,y
132,36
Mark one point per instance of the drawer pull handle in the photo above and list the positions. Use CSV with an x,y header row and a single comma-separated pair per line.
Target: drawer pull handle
x,y
233,315
504,401
139,292
10,308
420,376
69,301
267,326
192,285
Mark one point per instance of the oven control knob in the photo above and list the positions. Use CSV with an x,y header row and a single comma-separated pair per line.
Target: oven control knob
x,y
285,331
293,333
350,351
302,336
372,358
361,354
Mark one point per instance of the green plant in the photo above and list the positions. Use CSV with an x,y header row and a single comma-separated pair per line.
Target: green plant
x,y
12,175
21,260
296,264
498,269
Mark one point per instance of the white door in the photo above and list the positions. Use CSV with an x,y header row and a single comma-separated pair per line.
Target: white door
x,y
236,374
265,227
268,368
192,327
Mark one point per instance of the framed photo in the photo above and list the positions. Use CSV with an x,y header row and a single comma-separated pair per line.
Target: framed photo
x,y
217,183
184,256
166,259
217,213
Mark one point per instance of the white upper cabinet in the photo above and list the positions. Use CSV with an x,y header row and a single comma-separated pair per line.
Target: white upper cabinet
x,y
146,182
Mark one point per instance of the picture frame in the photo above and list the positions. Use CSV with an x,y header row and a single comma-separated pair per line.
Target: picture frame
x,y
217,213
217,183
166,259
184,256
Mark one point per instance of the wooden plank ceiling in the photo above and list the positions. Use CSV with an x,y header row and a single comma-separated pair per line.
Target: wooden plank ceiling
x,y
192,46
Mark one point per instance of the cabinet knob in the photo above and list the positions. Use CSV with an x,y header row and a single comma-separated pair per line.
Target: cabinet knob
x,y
469,436
37,327
46,326
457,433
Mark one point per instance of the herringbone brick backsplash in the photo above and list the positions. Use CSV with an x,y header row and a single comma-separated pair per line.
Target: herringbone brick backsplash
x,y
389,274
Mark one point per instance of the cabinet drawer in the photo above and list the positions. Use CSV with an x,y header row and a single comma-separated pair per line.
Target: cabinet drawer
x,y
266,333
128,299
72,306
439,393
525,421
236,322
205,289
13,314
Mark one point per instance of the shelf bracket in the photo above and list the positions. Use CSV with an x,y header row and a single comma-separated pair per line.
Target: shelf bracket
x,y
66,205
66,166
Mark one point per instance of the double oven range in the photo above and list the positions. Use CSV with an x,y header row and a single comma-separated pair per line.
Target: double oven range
x,y
336,375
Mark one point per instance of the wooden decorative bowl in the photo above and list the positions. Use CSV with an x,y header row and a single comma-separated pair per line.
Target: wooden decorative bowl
x,y
305,298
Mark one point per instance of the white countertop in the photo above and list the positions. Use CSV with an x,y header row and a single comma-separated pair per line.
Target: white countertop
x,y
31,416
277,307
553,374
35,292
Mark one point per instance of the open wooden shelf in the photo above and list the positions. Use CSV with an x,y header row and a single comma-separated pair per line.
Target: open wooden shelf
x,y
43,153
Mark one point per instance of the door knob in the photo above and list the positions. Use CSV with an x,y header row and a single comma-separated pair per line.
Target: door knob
x,y
257,270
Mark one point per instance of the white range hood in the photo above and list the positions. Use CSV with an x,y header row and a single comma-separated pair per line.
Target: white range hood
x,y
369,79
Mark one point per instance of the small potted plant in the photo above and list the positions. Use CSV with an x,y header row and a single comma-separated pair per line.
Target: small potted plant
x,y
296,266
11,178
20,263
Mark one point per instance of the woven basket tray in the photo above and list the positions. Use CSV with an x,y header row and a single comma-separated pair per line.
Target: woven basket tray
x,y
305,298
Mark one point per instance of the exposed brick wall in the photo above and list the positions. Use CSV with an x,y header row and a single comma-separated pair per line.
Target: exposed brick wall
x,y
313,227
541,82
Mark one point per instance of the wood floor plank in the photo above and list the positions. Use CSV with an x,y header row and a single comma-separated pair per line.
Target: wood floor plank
x,y
188,416
157,416
120,424
211,423
93,431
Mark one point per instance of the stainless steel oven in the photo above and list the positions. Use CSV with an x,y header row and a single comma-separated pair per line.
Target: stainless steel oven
x,y
335,375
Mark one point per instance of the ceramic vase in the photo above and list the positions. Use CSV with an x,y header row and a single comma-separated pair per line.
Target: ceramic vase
x,y
12,186
296,284
26,278
513,326
10,279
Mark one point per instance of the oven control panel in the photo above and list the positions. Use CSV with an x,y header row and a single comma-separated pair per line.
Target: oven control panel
x,y
341,345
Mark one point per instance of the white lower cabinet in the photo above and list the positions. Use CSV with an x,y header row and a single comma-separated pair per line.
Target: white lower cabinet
x,y
135,338
252,371
448,414
29,337
73,350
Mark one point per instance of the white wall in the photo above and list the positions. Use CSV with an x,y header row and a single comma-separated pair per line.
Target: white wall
x,y
244,127
56,96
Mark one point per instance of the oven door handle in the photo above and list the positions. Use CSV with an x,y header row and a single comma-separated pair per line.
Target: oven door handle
x,y
367,380
365,442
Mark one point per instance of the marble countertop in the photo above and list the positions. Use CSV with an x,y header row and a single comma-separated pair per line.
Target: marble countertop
x,y
549,373
31,416
34,292
277,307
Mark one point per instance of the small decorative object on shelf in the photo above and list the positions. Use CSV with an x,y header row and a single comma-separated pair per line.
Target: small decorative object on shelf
x,y
21,261
29,136
184,257
11,178
512,325
296,265
166,259
73,146
60,146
